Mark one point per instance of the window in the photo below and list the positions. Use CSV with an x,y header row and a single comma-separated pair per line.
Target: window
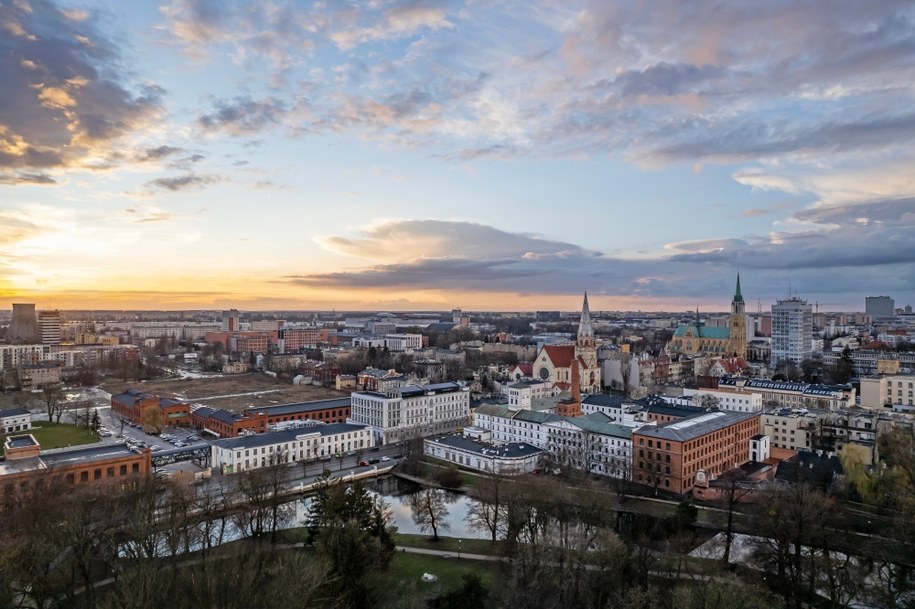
x,y
83,476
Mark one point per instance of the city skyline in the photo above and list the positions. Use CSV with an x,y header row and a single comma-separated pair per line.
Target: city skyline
x,y
420,156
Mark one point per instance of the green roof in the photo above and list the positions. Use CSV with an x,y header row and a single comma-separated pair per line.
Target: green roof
x,y
703,331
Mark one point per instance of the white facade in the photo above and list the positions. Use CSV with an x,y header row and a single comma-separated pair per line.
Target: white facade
x,y
403,342
290,446
877,392
734,401
49,327
404,413
602,448
15,419
792,331
505,459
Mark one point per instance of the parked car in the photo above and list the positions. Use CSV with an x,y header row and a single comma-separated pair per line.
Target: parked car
x,y
374,448
363,463
351,453
374,461
326,457
385,458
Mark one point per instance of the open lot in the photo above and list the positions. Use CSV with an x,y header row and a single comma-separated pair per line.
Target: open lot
x,y
235,392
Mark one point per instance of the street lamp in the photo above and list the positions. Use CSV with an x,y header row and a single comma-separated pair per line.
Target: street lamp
x,y
459,547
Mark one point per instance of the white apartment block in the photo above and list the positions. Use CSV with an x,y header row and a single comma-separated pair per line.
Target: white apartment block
x,y
289,446
882,391
14,356
792,331
733,400
402,413
591,442
182,330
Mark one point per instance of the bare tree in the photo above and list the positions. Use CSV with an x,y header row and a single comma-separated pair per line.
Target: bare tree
x,y
487,510
430,510
52,396
735,488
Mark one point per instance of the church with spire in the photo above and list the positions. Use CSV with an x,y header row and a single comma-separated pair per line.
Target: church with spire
x,y
714,341
554,363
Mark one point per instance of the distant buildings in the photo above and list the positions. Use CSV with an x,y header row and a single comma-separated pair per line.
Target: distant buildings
x,y
880,308
473,449
792,331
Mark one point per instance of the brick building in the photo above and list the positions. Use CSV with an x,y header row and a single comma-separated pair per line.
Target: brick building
x,y
228,424
135,405
674,456
114,467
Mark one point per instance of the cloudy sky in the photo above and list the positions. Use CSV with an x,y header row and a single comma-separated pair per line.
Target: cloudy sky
x,y
422,154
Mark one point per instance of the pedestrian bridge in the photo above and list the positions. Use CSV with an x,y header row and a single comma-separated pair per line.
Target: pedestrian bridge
x,y
198,453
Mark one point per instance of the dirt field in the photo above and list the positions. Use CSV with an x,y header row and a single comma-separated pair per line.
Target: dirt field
x,y
223,392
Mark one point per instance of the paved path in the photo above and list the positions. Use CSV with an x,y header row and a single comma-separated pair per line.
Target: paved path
x,y
448,554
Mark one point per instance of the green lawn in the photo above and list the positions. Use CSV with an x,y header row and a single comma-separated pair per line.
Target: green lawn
x,y
58,435
402,586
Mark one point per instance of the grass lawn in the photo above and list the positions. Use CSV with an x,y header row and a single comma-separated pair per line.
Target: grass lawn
x,y
58,435
402,586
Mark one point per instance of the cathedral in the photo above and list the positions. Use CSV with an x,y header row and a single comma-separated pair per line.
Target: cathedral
x,y
554,362
699,339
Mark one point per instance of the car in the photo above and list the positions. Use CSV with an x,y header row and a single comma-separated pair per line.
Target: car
x,y
363,463
351,453
385,458
155,448
398,456
375,448
326,457
180,444
374,461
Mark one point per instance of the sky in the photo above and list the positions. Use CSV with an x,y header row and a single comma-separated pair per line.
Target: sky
x,y
424,155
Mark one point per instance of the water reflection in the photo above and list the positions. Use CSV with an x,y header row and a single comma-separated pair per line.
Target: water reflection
x,y
396,493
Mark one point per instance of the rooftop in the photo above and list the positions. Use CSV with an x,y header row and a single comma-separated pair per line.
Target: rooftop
x,y
696,426
13,412
299,407
286,435
86,455
511,450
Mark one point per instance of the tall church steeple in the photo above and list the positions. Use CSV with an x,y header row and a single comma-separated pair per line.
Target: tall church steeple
x,y
584,325
737,304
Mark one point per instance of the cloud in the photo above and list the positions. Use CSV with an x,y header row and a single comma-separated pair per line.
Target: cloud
x,y
39,179
66,95
188,181
159,152
466,256
243,116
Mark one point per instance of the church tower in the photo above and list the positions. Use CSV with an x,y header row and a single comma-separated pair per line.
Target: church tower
x,y
737,340
586,351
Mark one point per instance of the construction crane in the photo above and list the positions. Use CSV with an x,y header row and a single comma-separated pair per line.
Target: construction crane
x,y
827,304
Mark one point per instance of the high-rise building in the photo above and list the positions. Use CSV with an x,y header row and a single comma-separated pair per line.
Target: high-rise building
x,y
792,331
23,324
880,308
49,327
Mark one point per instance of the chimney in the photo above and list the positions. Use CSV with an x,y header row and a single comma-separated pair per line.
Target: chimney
x,y
576,381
